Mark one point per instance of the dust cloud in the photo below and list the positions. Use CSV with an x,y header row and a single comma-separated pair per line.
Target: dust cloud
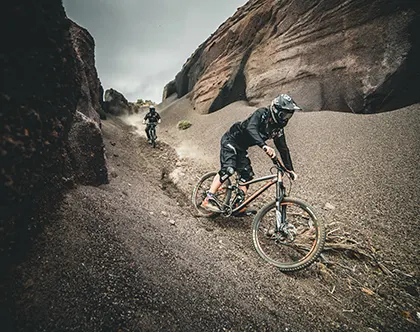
x,y
185,149
136,121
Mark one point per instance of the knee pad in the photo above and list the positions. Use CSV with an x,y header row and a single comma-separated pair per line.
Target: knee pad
x,y
246,174
225,173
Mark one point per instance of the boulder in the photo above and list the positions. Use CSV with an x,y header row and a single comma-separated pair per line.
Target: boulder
x,y
87,151
115,103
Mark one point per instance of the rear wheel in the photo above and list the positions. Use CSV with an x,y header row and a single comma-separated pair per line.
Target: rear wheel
x,y
295,248
200,193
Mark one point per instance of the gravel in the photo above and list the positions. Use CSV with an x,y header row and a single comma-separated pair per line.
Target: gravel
x,y
131,255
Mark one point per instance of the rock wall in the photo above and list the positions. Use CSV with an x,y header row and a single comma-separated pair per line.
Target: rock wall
x,y
86,148
42,87
357,56
91,91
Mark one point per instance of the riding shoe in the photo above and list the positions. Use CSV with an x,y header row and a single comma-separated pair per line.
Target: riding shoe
x,y
210,205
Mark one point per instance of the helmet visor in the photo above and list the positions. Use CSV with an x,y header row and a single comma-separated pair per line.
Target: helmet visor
x,y
285,115
282,114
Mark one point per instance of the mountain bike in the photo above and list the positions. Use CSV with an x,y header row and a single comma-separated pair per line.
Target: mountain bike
x,y
152,133
286,232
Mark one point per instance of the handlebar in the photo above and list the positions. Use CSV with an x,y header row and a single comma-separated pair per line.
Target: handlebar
x,y
276,161
280,166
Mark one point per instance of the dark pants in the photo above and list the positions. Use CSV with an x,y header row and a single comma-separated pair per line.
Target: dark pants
x,y
148,127
232,156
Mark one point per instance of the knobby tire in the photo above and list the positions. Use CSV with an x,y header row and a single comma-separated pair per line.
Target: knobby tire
x,y
308,244
200,190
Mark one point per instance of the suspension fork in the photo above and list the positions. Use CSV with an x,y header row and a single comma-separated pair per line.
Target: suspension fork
x,y
280,209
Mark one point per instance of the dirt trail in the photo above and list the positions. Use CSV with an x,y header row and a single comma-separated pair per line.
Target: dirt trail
x,y
131,256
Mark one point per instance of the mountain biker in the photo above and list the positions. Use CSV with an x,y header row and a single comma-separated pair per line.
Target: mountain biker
x,y
265,123
152,117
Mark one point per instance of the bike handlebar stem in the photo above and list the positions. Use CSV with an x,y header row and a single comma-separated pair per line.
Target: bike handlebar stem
x,y
276,161
279,165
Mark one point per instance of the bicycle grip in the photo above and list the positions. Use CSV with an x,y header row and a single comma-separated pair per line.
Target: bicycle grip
x,y
265,150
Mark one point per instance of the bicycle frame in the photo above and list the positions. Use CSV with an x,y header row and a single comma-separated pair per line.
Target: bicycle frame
x,y
152,129
272,227
273,179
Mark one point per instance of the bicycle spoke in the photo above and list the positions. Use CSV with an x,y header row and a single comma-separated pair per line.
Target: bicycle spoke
x,y
293,246
200,192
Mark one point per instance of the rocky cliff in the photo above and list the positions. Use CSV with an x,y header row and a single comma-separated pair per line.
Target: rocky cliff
x,y
357,56
91,90
85,144
45,89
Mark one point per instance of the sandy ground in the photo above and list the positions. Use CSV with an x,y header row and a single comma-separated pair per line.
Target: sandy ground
x,y
132,255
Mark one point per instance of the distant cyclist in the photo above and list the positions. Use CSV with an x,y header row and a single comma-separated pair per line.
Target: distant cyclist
x,y
152,118
265,123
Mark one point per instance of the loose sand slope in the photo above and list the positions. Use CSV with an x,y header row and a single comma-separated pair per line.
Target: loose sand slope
x,y
131,255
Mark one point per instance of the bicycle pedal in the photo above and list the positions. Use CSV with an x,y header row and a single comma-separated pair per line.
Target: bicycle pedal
x,y
251,212
245,213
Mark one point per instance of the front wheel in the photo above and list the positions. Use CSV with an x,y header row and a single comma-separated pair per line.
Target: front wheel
x,y
296,246
153,136
200,192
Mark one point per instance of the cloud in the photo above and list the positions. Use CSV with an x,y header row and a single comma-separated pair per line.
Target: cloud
x,y
142,44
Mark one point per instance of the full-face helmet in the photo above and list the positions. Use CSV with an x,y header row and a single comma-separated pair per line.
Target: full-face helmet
x,y
282,108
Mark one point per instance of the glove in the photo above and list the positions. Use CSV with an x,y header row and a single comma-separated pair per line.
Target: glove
x,y
269,151
159,120
293,175
144,121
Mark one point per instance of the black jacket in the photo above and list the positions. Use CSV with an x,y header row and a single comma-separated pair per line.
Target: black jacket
x,y
256,129
152,117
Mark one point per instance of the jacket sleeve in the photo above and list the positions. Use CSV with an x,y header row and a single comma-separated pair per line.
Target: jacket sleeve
x,y
146,116
253,128
281,145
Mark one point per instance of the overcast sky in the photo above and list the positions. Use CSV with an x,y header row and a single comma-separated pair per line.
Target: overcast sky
x,y
142,44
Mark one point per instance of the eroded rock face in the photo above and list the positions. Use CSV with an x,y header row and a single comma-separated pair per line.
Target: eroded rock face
x,y
38,102
357,56
169,89
91,91
41,89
